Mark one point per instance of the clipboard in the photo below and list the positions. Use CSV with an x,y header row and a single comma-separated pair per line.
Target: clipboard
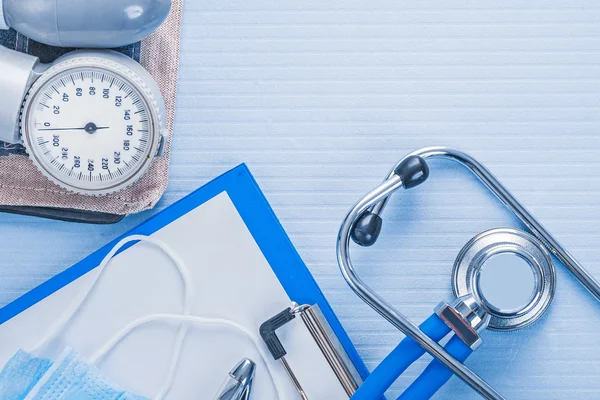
x,y
266,231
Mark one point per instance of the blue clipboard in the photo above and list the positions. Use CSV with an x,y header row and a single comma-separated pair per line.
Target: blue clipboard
x,y
264,227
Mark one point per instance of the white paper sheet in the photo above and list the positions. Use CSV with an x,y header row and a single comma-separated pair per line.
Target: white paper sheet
x,y
232,280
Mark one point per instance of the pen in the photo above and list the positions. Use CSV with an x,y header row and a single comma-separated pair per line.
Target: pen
x,y
238,384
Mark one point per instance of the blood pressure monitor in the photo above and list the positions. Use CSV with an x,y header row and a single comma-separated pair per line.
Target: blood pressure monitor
x,y
92,122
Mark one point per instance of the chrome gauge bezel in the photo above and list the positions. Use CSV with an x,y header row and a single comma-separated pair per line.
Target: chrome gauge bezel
x,y
111,67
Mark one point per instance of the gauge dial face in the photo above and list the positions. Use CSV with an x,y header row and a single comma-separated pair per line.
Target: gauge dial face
x,y
90,130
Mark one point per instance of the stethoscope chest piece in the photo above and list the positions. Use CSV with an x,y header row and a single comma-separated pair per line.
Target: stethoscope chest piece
x,y
510,273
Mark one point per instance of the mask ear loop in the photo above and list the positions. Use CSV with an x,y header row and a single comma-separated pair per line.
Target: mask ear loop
x,y
116,339
74,308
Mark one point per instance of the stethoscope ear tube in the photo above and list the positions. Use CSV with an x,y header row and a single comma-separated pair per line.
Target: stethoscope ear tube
x,y
363,224
412,171
510,201
369,296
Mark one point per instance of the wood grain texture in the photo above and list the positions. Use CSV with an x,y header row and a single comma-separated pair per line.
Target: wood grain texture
x,y
321,98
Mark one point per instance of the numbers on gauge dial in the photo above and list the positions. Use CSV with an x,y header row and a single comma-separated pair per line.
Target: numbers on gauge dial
x,y
90,126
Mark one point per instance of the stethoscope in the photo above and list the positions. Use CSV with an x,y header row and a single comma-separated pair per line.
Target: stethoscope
x,y
471,311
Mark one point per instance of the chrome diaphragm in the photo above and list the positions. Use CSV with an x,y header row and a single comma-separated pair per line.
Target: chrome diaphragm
x,y
510,273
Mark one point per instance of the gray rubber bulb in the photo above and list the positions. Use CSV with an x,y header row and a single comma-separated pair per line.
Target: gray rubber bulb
x,y
84,23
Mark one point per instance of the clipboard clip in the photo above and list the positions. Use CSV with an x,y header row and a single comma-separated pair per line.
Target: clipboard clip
x,y
328,343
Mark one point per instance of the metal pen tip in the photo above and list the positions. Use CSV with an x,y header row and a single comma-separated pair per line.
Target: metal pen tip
x,y
244,371
238,384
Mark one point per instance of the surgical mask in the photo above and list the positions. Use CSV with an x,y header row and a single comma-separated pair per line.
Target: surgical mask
x,y
71,377
21,374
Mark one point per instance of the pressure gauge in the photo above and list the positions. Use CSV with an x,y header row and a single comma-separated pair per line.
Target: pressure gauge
x,y
92,122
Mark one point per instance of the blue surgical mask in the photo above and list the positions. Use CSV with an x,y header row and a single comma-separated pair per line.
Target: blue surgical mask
x,y
26,377
71,378
21,374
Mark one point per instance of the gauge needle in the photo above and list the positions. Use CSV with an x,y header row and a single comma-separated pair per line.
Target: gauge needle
x,y
90,128
72,129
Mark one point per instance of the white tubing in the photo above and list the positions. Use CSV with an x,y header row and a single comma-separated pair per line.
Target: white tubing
x,y
112,342
83,296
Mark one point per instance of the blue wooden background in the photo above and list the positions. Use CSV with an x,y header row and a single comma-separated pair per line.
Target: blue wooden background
x,y
320,98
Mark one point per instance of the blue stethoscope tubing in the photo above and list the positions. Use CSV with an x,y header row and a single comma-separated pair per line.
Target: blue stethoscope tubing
x,y
404,355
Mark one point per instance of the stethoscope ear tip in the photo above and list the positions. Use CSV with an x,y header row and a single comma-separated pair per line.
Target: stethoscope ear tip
x,y
413,170
366,230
